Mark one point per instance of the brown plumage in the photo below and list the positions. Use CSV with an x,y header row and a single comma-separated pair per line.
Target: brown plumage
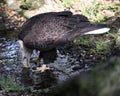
x,y
46,31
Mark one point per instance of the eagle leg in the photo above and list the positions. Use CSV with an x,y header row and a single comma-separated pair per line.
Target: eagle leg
x,y
26,54
37,61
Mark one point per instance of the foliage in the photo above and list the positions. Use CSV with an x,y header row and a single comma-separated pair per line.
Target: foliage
x,y
92,10
114,8
103,48
8,85
68,3
30,4
96,44
85,40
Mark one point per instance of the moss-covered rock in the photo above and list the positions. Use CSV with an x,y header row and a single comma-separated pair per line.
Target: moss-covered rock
x,y
13,4
104,80
30,4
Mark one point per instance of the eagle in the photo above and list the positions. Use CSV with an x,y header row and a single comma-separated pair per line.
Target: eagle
x,y
47,31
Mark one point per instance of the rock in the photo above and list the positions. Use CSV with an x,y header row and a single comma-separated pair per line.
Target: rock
x,y
103,80
30,4
49,6
9,2
14,4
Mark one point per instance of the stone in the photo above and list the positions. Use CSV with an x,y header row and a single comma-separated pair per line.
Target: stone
x,y
14,4
32,4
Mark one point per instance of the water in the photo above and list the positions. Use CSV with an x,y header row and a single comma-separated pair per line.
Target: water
x,y
9,50
70,61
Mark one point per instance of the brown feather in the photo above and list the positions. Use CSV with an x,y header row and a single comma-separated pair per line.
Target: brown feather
x,y
45,32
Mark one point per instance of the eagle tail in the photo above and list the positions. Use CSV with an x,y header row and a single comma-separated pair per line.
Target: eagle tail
x,y
91,29
95,29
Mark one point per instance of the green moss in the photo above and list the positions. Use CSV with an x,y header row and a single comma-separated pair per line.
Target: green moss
x,y
114,8
9,85
12,88
92,10
85,40
98,45
103,48
68,3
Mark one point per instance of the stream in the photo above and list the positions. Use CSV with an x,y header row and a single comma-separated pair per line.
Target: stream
x,y
71,60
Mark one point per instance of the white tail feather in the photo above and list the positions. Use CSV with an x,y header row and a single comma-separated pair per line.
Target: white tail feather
x,y
98,31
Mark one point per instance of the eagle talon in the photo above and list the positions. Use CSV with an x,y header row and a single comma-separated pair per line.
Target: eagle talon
x,y
42,68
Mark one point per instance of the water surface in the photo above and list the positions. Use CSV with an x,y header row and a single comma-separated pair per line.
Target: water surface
x,y
71,60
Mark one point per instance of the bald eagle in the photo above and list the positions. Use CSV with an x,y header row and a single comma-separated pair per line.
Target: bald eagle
x,y
45,32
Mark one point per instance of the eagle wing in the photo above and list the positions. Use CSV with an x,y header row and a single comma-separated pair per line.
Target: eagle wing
x,y
49,30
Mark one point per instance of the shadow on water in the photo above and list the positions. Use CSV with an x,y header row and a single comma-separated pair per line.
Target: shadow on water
x,y
70,61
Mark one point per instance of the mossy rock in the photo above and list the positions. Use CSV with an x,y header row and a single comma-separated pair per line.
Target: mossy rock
x,y
30,4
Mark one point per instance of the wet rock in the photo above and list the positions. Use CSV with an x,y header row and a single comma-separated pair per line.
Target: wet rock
x,y
44,79
101,81
26,80
77,68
